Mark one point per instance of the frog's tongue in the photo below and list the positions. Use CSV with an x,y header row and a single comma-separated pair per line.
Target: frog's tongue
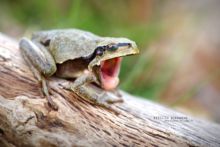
x,y
109,73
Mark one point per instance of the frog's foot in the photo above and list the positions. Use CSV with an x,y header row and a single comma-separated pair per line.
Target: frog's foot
x,y
70,86
51,103
112,97
104,99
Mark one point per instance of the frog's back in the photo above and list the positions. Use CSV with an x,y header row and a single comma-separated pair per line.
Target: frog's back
x,y
69,44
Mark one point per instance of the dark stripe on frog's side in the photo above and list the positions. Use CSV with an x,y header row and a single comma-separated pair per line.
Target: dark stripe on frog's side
x,y
99,51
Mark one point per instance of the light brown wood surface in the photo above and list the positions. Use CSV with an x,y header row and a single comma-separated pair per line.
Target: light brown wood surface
x,y
25,119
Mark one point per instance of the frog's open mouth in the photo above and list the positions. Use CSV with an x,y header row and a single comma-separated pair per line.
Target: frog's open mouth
x,y
109,71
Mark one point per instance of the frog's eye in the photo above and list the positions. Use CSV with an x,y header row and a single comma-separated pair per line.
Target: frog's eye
x,y
99,51
112,48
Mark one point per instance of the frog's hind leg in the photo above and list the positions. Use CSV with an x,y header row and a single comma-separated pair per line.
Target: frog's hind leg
x,y
41,63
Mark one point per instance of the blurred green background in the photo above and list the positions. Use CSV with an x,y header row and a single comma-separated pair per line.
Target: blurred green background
x,y
105,18
178,41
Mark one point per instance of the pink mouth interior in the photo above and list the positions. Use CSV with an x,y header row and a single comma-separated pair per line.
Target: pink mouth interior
x,y
109,72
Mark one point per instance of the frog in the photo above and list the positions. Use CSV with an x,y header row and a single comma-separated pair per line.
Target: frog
x,y
79,55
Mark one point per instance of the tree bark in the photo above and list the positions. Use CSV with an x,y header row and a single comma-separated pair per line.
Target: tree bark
x,y
26,120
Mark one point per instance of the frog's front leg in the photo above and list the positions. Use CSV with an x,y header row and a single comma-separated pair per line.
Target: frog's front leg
x,y
81,89
78,86
40,62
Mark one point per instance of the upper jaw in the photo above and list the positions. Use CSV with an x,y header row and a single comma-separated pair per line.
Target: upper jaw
x,y
121,52
96,65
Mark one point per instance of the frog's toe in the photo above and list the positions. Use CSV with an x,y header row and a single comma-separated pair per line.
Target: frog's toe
x,y
112,98
53,106
113,101
51,103
68,87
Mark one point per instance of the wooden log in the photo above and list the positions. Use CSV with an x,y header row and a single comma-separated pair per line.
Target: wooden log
x,y
27,121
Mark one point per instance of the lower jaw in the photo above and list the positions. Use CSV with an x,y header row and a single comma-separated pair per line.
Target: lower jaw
x,y
110,84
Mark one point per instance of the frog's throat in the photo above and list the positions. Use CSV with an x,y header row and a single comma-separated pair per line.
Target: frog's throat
x,y
109,72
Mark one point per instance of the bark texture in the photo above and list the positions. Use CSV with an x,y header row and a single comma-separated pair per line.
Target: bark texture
x,y
26,120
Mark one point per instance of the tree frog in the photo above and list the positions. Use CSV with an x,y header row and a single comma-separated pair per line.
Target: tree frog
x,y
76,54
